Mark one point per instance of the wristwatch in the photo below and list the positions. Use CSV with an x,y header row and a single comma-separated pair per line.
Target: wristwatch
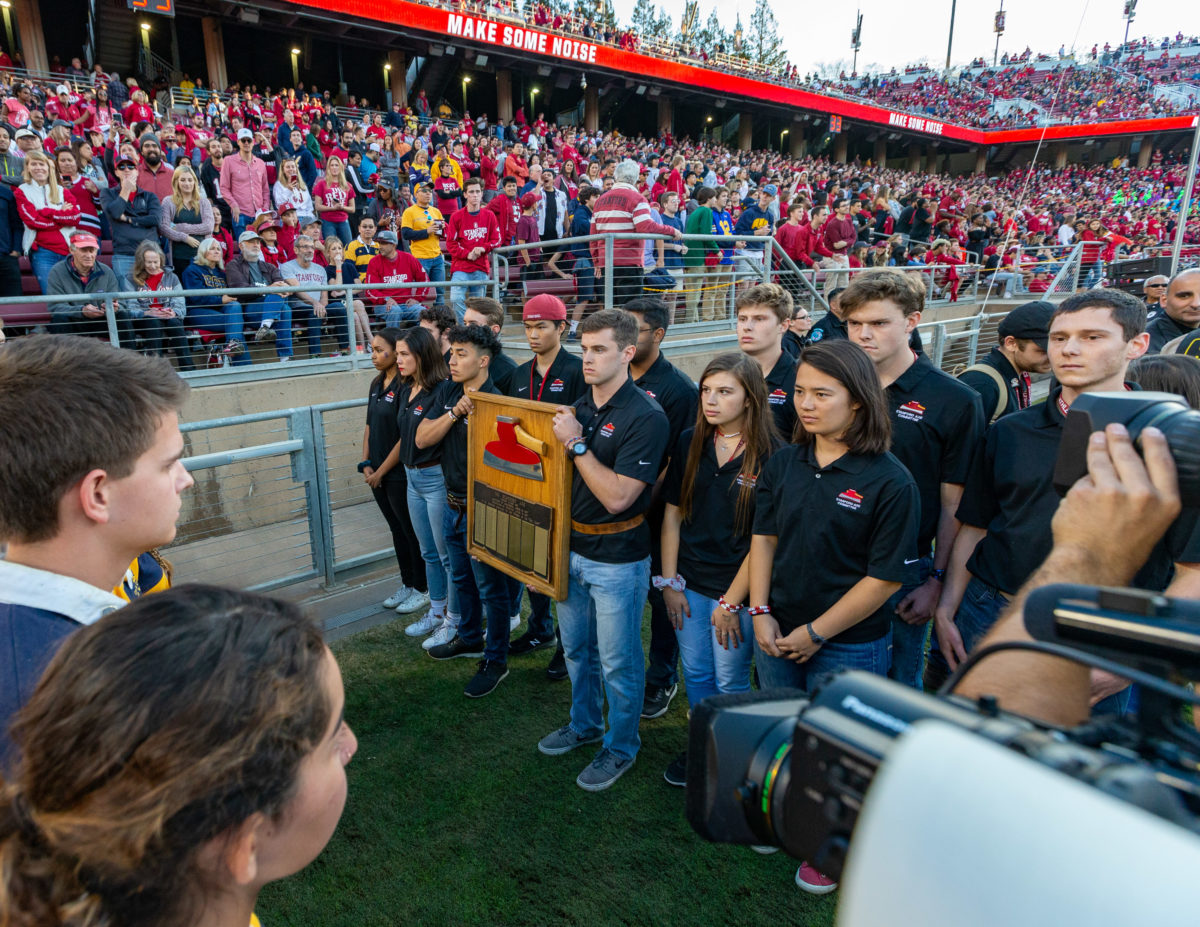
x,y
576,448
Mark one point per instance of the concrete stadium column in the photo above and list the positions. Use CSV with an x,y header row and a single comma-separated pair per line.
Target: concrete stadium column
x,y
840,145
504,98
981,160
1145,152
745,131
666,115
31,35
591,110
1060,156
880,153
914,158
799,142
214,52
398,76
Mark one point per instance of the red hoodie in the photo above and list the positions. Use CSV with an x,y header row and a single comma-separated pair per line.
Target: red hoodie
x,y
508,214
466,231
402,268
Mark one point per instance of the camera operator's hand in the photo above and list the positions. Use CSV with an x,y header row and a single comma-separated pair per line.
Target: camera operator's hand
x,y
766,632
1117,513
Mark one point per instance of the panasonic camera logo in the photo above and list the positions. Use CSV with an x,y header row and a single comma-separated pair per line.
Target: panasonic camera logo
x,y
874,715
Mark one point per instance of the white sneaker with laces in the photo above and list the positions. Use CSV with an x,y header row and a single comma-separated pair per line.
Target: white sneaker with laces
x,y
414,603
430,621
514,622
397,597
443,635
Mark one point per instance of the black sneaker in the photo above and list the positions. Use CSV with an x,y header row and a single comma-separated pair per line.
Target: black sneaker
x,y
676,773
658,700
557,668
529,642
455,647
486,678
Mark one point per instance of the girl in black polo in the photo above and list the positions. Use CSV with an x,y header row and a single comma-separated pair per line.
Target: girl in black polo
x,y
422,366
710,497
385,475
835,527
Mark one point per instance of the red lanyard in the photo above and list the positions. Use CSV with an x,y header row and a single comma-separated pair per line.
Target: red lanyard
x,y
542,388
717,450
1062,405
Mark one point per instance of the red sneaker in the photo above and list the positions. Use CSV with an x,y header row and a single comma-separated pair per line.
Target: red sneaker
x,y
811,881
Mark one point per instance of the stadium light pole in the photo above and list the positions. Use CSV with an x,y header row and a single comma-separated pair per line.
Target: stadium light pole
x,y
1186,205
533,104
782,135
708,126
465,81
999,27
295,66
950,41
6,7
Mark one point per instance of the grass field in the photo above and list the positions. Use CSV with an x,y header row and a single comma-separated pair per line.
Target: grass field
x,y
455,818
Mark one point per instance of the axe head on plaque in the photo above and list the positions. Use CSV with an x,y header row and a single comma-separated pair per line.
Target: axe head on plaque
x,y
515,450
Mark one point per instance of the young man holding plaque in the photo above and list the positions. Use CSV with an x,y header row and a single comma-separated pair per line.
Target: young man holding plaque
x,y
617,437
480,587
554,375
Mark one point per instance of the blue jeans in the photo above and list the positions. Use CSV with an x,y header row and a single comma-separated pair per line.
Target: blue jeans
x,y
272,306
480,588
1095,273
908,640
978,611
426,505
541,623
122,266
401,313
600,624
708,668
241,223
585,278
41,260
466,283
872,656
340,229
435,270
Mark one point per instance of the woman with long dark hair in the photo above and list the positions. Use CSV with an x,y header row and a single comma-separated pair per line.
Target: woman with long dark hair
x,y
385,475
177,755
710,499
422,367
835,529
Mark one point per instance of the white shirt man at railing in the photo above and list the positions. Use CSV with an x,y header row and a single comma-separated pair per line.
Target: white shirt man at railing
x,y
312,307
270,312
83,275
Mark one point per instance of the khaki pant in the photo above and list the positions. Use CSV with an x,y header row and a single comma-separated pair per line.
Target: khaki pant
x,y
832,279
716,293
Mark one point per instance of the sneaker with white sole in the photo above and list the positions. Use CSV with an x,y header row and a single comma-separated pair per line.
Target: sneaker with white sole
x,y
603,771
763,849
813,882
564,740
397,597
430,621
443,635
414,603
514,622
456,647
265,332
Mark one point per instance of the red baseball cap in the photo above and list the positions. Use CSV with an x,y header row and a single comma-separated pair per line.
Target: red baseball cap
x,y
544,306
529,199
88,240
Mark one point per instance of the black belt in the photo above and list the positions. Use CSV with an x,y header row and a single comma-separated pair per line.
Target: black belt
x,y
425,466
457,503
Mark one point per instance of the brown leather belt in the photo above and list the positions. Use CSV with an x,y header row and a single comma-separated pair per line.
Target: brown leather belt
x,y
426,465
456,503
615,527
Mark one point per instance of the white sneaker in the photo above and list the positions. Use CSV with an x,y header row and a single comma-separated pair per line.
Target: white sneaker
x,y
414,603
514,622
265,331
424,625
397,597
443,635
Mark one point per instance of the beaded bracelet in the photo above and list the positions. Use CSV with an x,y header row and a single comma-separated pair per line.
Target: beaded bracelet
x,y
725,604
759,610
678,583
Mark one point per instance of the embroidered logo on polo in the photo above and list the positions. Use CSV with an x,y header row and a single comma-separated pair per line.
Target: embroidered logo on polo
x,y
850,499
390,396
651,394
606,430
419,411
911,411
777,397
556,386
744,479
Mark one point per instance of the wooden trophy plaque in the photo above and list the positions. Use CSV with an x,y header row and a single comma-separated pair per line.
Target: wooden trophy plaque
x,y
519,492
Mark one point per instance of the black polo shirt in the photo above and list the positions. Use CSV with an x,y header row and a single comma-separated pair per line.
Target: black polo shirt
x,y
562,385
409,414
383,432
856,517
936,426
1010,492
793,344
676,393
501,369
989,392
1164,329
781,390
711,549
454,443
628,434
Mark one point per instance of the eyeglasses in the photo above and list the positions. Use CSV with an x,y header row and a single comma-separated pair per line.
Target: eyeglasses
x,y
1157,286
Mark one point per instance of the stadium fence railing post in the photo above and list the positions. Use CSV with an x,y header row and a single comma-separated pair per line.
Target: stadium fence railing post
x,y
608,268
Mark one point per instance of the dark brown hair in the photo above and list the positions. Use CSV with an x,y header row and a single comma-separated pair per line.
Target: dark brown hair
x,y
846,362
771,295
487,306
1127,311
1168,373
624,326
758,432
883,283
155,730
69,405
431,365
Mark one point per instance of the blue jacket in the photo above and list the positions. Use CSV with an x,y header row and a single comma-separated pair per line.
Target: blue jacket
x,y
752,217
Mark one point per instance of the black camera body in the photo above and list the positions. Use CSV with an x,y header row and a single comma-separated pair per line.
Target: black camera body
x,y
1135,410
780,768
